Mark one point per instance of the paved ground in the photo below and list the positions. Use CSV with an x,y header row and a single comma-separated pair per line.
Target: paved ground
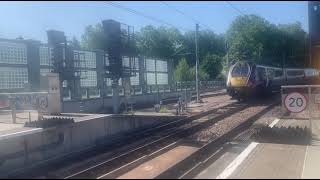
x,y
21,117
156,166
6,127
192,107
271,157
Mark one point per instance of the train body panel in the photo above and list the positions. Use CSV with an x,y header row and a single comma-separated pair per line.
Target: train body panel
x,y
245,78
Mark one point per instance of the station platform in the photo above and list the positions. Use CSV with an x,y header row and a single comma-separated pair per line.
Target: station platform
x,y
22,147
246,157
8,127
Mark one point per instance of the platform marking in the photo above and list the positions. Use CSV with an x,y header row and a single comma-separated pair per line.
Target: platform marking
x,y
274,122
235,163
242,156
304,162
19,133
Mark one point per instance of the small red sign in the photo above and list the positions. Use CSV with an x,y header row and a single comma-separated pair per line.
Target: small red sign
x,y
4,103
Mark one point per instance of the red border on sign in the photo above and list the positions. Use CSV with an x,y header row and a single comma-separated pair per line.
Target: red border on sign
x,y
284,102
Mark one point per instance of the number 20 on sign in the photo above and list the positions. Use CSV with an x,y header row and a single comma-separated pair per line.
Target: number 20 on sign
x,y
295,102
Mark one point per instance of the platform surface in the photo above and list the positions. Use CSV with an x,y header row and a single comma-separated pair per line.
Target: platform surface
x,y
260,160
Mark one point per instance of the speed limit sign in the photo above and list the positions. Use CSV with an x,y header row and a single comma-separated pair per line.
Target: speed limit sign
x,y
295,102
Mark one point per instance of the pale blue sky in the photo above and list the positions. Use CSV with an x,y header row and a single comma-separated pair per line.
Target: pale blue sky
x,y
32,19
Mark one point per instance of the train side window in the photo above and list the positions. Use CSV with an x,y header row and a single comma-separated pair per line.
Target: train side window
x,y
295,73
261,73
278,73
270,73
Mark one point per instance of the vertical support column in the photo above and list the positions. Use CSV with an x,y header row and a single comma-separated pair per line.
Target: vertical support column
x,y
76,93
197,64
33,60
127,90
13,109
170,74
309,109
282,101
100,58
115,97
142,70
156,78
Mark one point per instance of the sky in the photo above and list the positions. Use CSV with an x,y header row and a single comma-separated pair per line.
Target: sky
x,y
31,20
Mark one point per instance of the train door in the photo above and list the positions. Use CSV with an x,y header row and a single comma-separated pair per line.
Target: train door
x,y
295,76
278,79
262,79
269,75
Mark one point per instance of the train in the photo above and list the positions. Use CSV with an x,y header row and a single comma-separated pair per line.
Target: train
x,y
248,78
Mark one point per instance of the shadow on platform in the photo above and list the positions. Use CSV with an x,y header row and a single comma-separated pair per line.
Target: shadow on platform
x,y
282,135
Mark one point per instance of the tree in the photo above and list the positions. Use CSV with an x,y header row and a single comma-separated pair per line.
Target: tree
x,y
94,37
203,75
253,38
158,42
162,42
75,43
212,65
247,37
208,42
182,72
295,43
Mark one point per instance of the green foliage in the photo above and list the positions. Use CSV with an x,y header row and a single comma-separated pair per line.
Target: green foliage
x,y
247,36
163,109
182,72
212,65
208,42
158,42
203,76
251,37
221,77
94,38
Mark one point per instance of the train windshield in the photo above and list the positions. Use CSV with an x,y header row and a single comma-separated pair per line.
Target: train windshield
x,y
240,70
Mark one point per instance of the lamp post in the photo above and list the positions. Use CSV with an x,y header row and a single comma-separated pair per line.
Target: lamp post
x,y
197,64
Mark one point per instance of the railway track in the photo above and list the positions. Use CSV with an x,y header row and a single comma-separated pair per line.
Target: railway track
x,y
210,151
116,146
185,165
159,139
118,165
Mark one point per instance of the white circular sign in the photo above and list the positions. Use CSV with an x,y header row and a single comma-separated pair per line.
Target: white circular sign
x,y
295,102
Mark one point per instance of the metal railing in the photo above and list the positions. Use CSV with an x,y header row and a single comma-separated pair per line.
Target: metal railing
x,y
88,93
22,103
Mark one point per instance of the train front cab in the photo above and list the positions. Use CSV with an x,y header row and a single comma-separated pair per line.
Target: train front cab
x,y
238,77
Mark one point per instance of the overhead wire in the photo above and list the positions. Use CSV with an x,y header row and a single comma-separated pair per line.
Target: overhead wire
x,y
184,14
235,8
143,15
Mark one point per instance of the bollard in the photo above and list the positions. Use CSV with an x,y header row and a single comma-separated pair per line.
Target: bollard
x,y
160,104
13,110
29,117
40,116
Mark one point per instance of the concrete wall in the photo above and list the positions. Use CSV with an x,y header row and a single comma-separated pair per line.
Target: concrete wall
x,y
26,149
96,105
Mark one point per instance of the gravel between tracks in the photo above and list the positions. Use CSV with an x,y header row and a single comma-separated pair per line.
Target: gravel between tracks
x,y
222,127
